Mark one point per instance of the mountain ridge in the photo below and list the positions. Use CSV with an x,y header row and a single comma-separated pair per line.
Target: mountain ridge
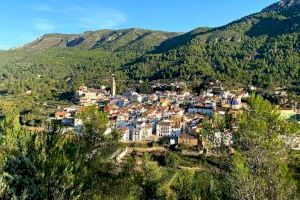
x,y
242,50
283,4
106,38
260,49
141,39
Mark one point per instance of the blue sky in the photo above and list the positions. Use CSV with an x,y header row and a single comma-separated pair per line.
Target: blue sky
x,y
22,21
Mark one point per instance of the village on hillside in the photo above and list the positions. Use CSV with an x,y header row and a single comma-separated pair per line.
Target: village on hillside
x,y
174,117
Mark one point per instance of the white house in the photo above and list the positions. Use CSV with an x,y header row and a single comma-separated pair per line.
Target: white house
x,y
136,134
78,125
176,131
125,134
217,139
147,131
135,97
201,110
121,122
164,129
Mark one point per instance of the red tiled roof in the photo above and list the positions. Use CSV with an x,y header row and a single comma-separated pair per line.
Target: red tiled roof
x,y
186,136
61,113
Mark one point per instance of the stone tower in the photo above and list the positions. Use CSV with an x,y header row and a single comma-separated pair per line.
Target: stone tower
x,y
113,85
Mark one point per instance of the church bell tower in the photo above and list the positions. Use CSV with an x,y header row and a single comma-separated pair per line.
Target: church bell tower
x,y
113,86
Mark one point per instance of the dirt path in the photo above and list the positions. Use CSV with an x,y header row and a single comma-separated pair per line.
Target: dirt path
x,y
146,149
202,168
173,178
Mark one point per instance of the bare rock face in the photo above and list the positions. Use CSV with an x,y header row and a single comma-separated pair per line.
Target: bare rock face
x,y
46,42
283,4
289,3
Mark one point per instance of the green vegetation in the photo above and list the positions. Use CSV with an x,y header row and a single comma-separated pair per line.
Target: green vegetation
x,y
294,165
260,164
47,73
261,49
171,160
51,165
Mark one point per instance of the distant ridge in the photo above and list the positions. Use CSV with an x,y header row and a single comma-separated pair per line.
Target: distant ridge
x,y
283,4
289,3
114,40
260,49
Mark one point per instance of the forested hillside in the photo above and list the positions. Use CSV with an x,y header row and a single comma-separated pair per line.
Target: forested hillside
x,y
262,49
58,142
58,69
51,165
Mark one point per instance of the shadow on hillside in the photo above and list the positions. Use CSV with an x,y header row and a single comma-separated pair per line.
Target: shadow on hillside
x,y
270,27
273,27
66,96
180,40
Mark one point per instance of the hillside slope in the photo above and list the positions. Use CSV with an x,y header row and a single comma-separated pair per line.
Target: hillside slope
x,y
262,49
114,40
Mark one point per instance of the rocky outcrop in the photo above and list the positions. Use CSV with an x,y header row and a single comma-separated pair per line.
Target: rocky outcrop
x,y
283,4
137,39
289,3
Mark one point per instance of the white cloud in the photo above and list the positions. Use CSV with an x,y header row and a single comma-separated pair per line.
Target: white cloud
x,y
43,25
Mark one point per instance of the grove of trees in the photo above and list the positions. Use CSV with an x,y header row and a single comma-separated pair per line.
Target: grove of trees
x,y
52,165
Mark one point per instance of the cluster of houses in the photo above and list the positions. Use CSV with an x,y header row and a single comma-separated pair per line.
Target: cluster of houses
x,y
177,116
90,96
